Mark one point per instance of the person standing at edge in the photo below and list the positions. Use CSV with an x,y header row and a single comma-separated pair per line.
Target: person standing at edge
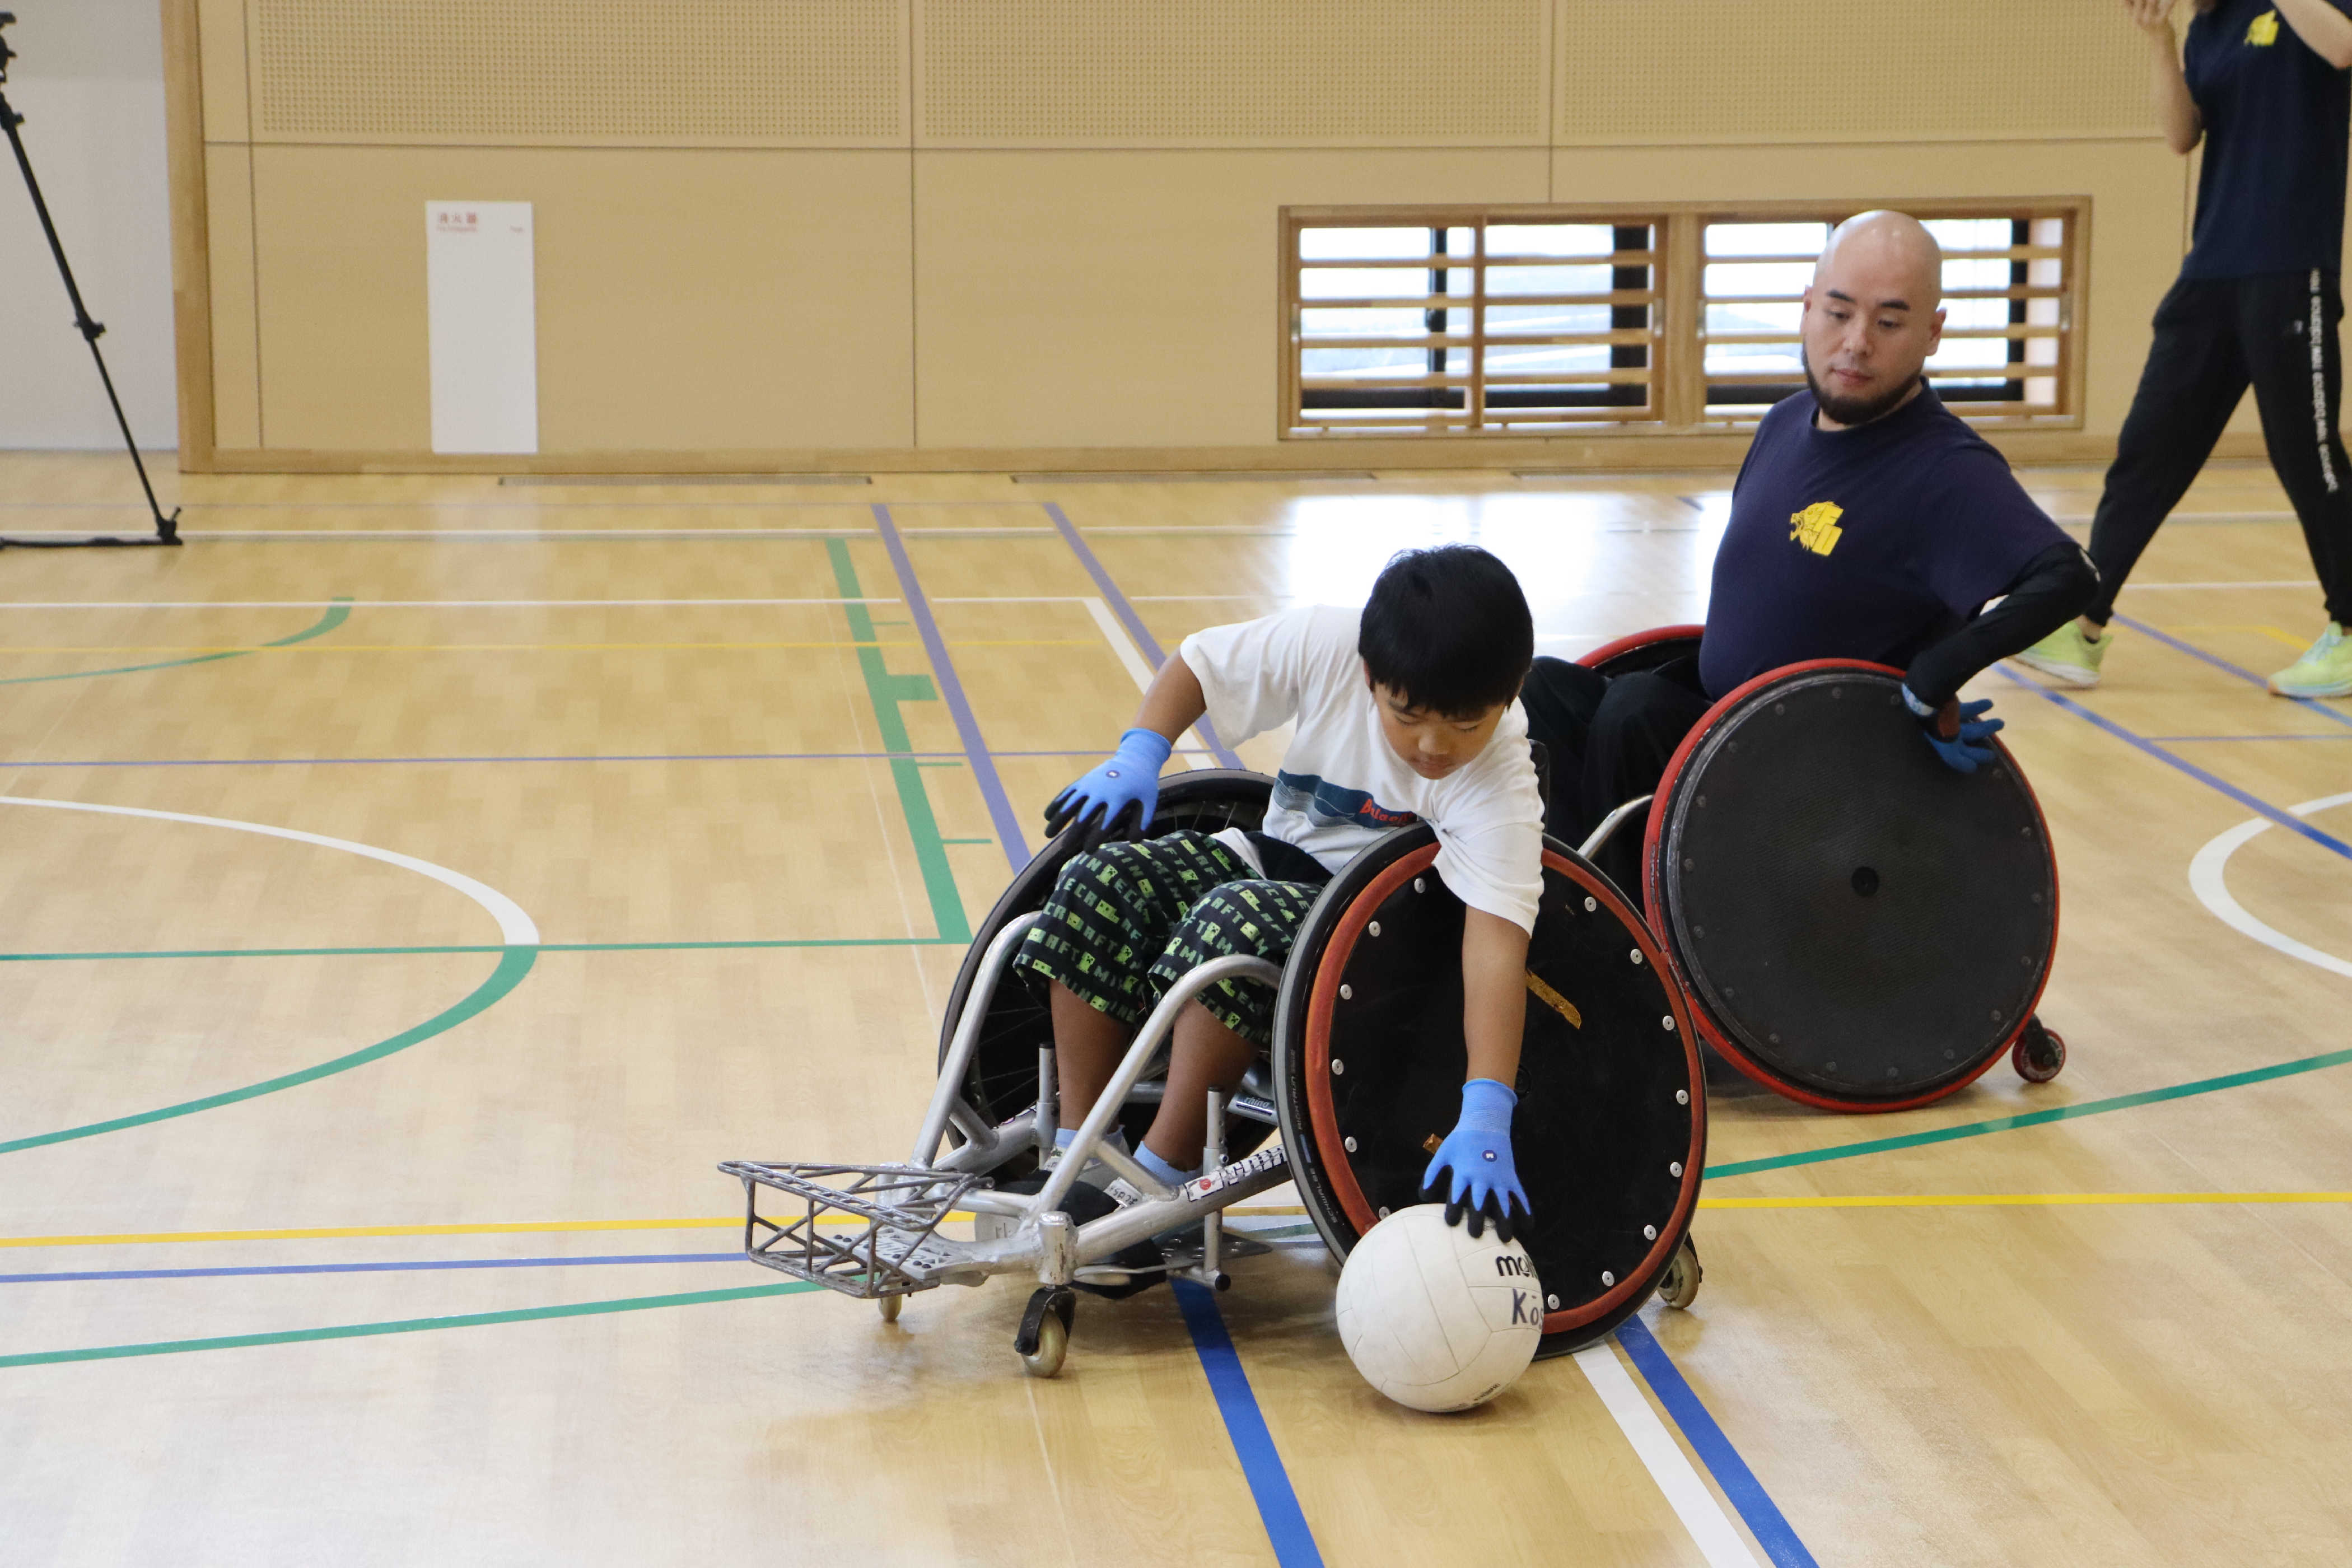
x,y
2258,300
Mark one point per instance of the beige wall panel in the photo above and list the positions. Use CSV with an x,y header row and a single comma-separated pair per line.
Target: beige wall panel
x,y
1233,72
1107,300
582,72
2134,188
237,370
220,48
1846,70
687,301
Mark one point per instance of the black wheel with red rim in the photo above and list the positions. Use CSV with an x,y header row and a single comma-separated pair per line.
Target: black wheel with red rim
x,y
1643,650
2040,1054
1610,1136
1003,1081
1858,926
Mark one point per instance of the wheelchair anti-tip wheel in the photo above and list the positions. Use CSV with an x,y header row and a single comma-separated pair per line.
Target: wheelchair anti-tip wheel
x,y
2040,1054
1859,927
1610,1136
1678,1286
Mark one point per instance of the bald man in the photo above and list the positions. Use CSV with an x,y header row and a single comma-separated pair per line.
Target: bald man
x,y
1867,523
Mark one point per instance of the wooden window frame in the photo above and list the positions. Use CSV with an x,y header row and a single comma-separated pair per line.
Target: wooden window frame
x,y
1676,336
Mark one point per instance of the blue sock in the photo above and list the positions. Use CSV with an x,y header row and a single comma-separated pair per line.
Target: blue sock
x,y
1065,1136
1160,1168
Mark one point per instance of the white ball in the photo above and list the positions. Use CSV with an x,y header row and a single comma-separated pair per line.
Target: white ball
x,y
1436,1319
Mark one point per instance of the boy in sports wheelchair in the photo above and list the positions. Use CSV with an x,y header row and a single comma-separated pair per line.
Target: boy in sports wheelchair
x,y
1405,712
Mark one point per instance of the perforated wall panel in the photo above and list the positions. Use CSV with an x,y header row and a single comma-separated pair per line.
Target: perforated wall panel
x,y
1635,71
1233,72
694,72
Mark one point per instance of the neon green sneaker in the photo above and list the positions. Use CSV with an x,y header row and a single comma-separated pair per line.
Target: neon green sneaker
x,y
2324,671
2067,656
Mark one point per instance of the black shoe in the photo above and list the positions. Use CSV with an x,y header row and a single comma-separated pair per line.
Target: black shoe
x,y
1144,1262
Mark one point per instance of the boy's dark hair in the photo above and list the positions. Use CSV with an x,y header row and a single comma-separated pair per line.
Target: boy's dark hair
x,y
1449,629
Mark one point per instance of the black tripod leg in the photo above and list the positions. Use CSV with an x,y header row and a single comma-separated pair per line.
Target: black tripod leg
x,y
167,529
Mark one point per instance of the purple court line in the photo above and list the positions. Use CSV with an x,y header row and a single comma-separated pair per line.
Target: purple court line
x,y
79,1275
1129,619
943,670
439,761
2181,644
2255,803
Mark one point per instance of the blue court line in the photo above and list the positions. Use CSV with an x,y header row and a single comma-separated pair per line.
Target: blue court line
x,y
1269,1483
2179,645
975,748
2254,804
75,1276
2184,740
1741,1486
1131,620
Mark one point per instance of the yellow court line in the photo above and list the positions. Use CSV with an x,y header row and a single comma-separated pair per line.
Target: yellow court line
x,y
539,646
2273,633
513,1227
2016,1200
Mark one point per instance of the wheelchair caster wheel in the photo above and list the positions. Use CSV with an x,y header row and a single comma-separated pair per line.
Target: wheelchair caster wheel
x,y
2040,1054
889,1306
1678,1286
1045,1337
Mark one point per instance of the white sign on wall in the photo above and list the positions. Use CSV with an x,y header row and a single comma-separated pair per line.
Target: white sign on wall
x,y
484,323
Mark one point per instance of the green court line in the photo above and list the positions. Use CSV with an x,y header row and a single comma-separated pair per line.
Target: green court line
x,y
514,963
2033,1117
885,691
754,943
407,1325
335,616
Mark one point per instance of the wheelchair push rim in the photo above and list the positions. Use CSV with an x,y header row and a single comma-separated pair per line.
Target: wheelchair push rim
x,y
1620,1105
1988,822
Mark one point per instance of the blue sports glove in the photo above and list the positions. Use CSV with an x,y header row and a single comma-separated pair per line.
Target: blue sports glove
x,y
1478,1152
1953,728
1116,800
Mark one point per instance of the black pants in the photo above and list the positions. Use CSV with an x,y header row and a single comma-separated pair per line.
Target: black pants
x,y
2214,336
1610,738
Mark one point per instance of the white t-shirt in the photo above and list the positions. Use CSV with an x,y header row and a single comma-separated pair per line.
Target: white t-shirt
x,y
1341,785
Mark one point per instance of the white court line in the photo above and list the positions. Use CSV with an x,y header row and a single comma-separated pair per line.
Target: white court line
x,y
515,927
1718,1541
2209,867
1132,657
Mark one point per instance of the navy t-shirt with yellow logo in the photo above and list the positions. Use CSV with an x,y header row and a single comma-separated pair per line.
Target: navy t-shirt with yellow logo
x,y
2270,193
1875,543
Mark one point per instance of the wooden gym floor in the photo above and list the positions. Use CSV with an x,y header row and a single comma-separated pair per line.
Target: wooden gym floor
x,y
458,871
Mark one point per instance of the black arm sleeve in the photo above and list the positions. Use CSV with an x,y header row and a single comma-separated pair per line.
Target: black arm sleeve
x,y
2055,586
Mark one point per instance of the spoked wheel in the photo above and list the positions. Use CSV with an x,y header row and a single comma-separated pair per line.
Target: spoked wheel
x,y
1678,1286
2040,1054
1003,1077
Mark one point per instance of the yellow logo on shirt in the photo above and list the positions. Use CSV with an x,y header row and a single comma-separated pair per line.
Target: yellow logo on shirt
x,y
1816,527
2264,32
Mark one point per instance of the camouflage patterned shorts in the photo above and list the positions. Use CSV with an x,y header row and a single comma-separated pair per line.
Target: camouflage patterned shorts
x,y
1125,921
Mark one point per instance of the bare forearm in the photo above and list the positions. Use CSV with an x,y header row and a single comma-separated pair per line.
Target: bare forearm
x,y
1494,994
1173,702
2325,30
2176,111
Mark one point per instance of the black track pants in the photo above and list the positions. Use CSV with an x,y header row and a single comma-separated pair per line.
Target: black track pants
x,y
2214,337
1610,740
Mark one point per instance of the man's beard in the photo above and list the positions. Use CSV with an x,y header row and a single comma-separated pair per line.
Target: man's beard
x,y
1850,411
